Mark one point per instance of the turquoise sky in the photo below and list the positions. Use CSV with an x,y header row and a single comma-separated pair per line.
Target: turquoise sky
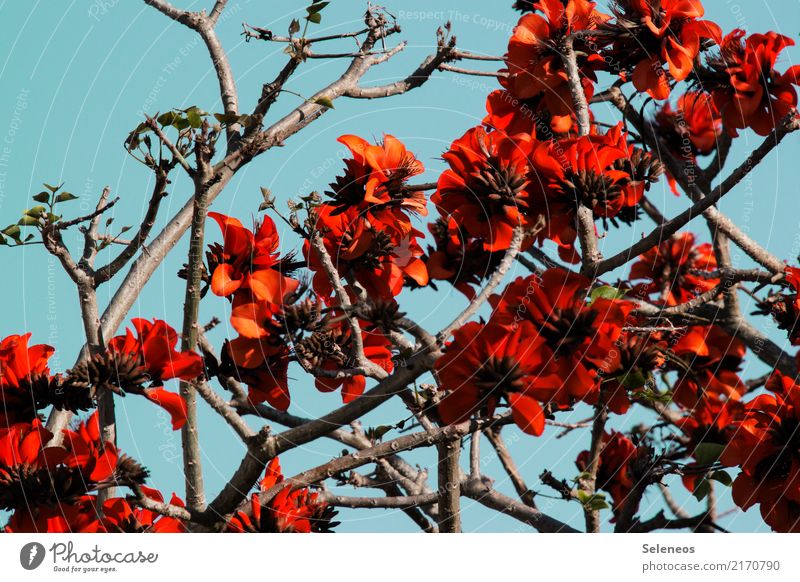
x,y
76,78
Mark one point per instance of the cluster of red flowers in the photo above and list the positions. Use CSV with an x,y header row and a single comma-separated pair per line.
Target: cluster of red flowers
x,y
765,444
366,226
248,269
649,35
367,233
675,270
654,44
535,71
290,509
621,465
50,488
545,342
745,86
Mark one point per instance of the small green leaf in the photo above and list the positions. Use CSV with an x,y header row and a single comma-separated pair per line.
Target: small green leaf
x,y
43,197
51,218
606,292
316,7
181,123
194,115
52,188
66,197
316,17
721,477
708,453
35,211
12,231
592,501
28,221
168,118
227,117
324,101
701,489
633,380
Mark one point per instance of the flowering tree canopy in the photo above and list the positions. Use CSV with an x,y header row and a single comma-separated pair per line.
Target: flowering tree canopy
x,y
594,104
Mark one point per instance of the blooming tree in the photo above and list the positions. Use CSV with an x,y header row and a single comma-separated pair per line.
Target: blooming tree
x,y
662,340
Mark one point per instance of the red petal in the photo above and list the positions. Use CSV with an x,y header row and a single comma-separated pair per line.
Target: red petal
x,y
171,402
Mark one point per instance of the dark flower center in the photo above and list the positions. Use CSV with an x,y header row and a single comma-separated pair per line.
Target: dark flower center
x,y
567,329
498,376
596,191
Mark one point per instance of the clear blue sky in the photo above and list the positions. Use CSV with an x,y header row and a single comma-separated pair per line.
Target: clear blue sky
x,y
75,80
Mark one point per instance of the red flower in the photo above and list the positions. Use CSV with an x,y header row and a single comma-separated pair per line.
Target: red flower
x,y
486,189
746,88
248,260
463,263
533,61
672,269
653,33
710,424
617,469
785,308
586,170
764,444
377,259
640,356
45,486
119,516
578,336
485,366
96,459
153,348
375,182
329,350
290,510
261,364
695,122
710,361
24,376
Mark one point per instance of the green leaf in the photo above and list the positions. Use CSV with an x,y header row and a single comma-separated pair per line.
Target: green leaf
x,y
52,188
194,115
708,453
606,292
35,211
633,380
66,197
294,27
316,7
227,117
324,101
51,218
168,118
701,489
721,477
592,501
316,17
181,123
42,197
12,231
28,221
